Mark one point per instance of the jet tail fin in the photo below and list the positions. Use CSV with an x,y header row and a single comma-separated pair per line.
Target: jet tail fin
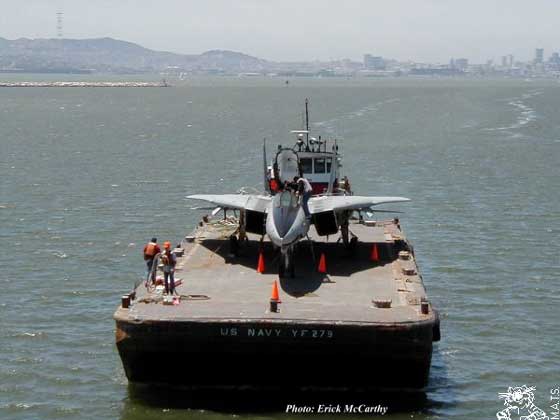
x,y
265,169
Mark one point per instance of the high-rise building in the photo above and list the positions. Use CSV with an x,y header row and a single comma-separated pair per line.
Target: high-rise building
x,y
461,63
539,55
510,60
374,63
504,61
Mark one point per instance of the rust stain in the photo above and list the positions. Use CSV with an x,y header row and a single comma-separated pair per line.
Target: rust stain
x,y
120,334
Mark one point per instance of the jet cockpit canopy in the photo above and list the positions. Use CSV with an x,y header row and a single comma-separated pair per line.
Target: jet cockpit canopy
x,y
286,165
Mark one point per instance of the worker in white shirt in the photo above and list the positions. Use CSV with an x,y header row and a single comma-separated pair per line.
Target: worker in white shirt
x,y
305,190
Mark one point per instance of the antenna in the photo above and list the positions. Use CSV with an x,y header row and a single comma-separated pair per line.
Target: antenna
x,y
307,121
59,16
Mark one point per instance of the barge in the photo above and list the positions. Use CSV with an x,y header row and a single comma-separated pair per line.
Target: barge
x,y
270,298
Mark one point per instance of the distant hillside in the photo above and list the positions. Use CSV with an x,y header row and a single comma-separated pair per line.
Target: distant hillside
x,y
114,56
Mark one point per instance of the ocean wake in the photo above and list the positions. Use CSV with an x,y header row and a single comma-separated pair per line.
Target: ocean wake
x,y
525,113
330,126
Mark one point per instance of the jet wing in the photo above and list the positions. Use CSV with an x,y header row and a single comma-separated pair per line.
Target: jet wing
x,y
348,202
257,203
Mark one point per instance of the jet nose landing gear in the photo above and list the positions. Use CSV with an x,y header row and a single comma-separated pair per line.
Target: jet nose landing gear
x,y
286,266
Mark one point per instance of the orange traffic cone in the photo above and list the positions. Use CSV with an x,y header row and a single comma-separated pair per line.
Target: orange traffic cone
x,y
260,265
322,264
374,253
275,297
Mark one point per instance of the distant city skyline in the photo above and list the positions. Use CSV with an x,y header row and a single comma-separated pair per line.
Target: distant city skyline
x,y
427,31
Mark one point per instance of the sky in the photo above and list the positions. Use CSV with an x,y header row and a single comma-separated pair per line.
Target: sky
x,y
292,30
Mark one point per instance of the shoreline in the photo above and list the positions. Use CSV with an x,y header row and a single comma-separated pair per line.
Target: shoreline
x,y
83,84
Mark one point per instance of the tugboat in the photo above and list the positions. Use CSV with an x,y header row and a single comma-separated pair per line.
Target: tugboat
x,y
326,294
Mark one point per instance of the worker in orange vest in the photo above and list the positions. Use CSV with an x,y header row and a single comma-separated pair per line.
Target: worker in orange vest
x,y
274,186
150,251
169,260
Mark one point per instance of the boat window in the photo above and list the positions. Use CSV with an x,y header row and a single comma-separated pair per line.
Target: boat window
x,y
320,165
329,165
306,165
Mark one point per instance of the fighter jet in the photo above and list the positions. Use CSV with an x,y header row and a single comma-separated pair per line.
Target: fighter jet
x,y
284,219
279,214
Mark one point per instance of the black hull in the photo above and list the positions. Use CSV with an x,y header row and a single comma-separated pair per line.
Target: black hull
x,y
286,355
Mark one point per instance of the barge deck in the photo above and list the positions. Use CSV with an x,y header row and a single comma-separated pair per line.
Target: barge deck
x,y
365,323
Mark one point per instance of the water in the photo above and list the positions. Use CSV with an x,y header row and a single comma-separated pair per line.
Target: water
x,y
88,175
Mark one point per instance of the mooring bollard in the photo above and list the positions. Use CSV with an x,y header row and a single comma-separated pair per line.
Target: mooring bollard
x,y
424,306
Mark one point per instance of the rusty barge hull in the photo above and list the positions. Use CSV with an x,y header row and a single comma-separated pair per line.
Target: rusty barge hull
x,y
205,354
363,324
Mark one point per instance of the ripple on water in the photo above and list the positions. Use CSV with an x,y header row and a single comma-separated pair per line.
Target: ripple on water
x,y
483,221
